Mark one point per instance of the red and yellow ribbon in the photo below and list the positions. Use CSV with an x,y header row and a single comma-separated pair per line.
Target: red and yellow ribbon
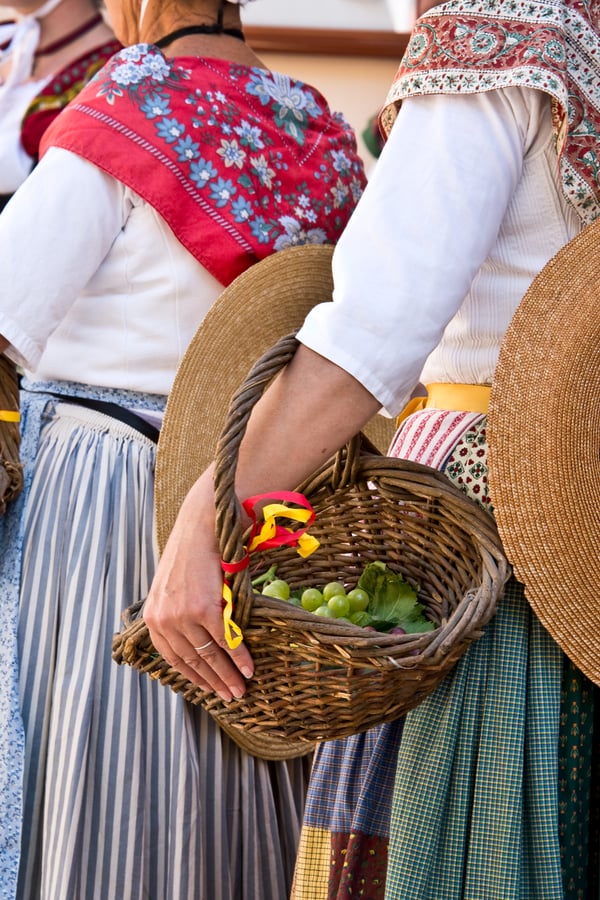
x,y
265,536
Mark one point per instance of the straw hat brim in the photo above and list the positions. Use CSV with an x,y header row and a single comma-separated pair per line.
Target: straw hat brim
x,y
268,301
544,437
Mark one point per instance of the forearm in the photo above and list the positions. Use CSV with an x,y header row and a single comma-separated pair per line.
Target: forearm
x,y
311,410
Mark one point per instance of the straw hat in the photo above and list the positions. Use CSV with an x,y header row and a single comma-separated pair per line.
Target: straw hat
x,y
268,301
544,436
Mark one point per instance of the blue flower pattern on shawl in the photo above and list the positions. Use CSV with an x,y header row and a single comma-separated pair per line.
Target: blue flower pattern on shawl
x,y
244,174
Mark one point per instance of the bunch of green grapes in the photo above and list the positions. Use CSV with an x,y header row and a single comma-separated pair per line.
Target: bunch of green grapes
x,y
332,601
381,601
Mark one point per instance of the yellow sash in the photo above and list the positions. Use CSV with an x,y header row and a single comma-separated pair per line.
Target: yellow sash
x,y
456,397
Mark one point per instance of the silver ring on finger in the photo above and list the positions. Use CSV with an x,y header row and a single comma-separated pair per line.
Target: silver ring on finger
x,y
204,646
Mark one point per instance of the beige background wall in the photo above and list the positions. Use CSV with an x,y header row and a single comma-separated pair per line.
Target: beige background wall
x,y
359,14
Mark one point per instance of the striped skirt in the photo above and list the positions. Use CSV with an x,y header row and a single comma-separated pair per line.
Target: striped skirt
x,y
129,792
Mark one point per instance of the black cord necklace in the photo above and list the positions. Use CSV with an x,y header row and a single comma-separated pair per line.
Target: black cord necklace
x,y
217,28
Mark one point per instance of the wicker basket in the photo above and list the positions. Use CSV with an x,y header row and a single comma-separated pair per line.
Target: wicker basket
x,y
317,679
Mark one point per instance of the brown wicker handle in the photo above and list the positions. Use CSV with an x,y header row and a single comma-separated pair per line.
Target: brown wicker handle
x,y
230,531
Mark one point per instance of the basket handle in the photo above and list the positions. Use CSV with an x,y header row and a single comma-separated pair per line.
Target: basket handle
x,y
229,528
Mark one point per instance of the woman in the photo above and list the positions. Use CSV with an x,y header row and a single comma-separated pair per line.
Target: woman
x,y
183,162
488,170
46,56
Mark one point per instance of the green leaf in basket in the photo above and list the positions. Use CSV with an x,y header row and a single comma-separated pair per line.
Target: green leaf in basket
x,y
393,600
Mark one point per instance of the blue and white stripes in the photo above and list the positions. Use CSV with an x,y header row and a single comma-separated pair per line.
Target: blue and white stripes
x,y
129,792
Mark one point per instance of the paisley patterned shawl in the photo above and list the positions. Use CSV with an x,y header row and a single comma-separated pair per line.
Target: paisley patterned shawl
x,y
240,162
466,46
59,91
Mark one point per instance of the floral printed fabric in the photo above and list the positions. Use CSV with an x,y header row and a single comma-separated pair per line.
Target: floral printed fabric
x,y
466,46
453,442
241,162
467,466
59,91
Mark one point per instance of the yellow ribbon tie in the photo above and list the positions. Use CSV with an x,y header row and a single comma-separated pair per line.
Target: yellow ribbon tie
x,y
233,632
10,415
269,531
307,544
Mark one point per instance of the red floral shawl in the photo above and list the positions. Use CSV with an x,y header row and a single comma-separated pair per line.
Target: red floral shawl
x,y
59,91
466,46
239,161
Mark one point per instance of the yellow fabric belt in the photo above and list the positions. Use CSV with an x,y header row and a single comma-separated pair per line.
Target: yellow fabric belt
x,y
456,397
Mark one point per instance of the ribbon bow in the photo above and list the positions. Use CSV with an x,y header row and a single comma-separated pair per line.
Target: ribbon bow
x,y
265,536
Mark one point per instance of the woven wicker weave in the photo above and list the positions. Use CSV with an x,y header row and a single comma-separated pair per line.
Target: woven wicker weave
x,y
11,470
318,679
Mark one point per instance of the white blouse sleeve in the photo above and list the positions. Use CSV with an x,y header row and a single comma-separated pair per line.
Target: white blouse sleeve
x,y
425,224
54,233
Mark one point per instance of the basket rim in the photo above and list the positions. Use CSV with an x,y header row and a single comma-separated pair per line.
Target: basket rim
x,y
422,481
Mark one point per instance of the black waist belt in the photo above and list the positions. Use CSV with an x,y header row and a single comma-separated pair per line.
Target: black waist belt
x,y
116,412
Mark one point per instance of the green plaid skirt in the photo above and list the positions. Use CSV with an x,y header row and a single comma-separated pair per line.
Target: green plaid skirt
x,y
492,797
496,792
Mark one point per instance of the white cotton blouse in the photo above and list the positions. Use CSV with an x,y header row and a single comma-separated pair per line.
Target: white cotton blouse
x,y
95,287
15,162
462,210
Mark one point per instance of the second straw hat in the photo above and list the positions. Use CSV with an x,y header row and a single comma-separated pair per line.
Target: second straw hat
x,y
268,301
544,437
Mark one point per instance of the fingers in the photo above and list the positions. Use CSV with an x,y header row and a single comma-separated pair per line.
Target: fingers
x,y
207,663
184,607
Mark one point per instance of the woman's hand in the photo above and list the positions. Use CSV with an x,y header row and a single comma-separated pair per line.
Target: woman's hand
x,y
184,609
